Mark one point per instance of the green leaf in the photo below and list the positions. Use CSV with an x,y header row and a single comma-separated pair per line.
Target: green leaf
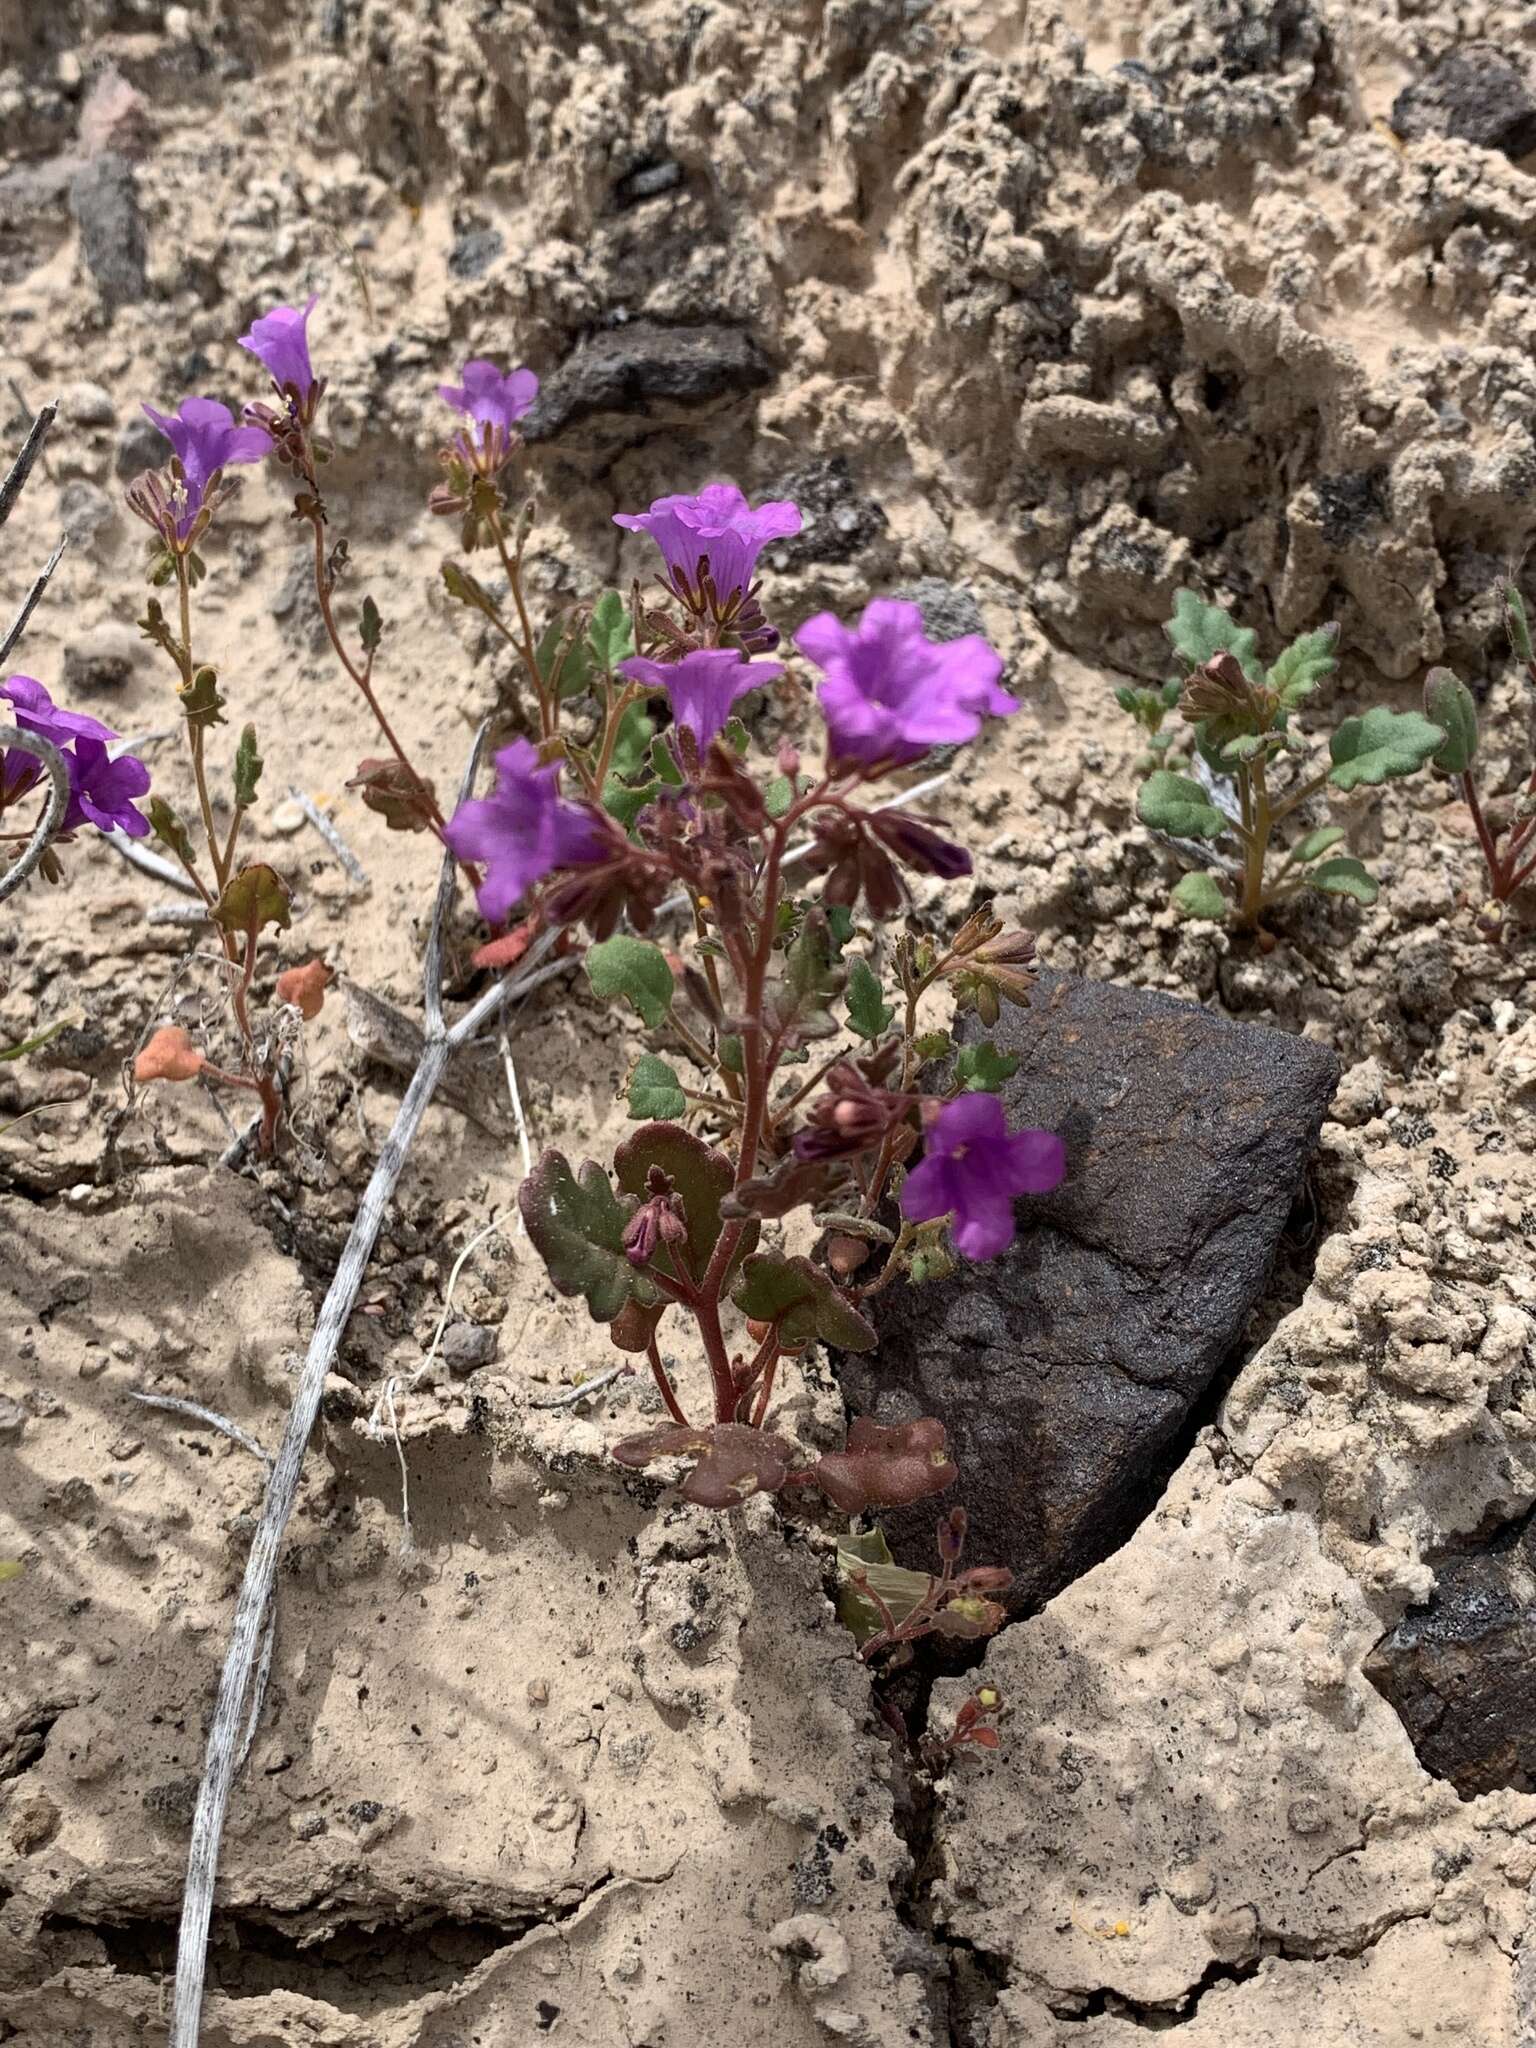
x,y
577,1229
654,1089
632,741
868,1014
1175,803
1451,705
247,768
812,976
779,795
1199,895
38,1039
839,924
467,589
625,801
200,699
802,1301
624,966
255,897
982,1069
1199,631
10,1568
664,763
560,654
729,1051
931,1045
1519,625
1344,876
1303,665
701,1177
902,1591
1382,746
370,627
610,638
167,826
1315,845
735,735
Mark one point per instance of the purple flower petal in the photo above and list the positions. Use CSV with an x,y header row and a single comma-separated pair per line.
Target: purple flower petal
x,y
523,830
718,524
703,686
489,398
891,693
971,1170
206,440
280,341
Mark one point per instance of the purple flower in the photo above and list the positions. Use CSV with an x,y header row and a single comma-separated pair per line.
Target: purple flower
x,y
278,339
891,693
206,440
972,1169
718,524
491,399
523,830
703,685
101,790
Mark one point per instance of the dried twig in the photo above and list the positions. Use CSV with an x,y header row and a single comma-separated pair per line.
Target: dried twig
x,y
261,1567
53,811
198,1413
333,839
21,468
573,1395
149,863
29,603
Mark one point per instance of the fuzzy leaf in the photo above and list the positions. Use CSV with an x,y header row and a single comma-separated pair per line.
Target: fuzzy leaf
x,y
1315,845
778,796
467,589
654,1089
812,975
664,763
1199,631
1303,665
902,1591
1451,705
983,1068
559,654
868,1014
1519,625
733,1461
1199,895
1176,803
255,897
1381,746
701,1178
1344,876
887,1467
201,701
610,638
803,1301
370,627
247,768
166,824
577,1228
636,969
625,803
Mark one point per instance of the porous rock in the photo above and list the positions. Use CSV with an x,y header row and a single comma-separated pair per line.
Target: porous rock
x,y
642,365
1065,1369
104,199
1474,94
1458,1669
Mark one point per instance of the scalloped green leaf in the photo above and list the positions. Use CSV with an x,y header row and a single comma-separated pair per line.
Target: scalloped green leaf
x,y
576,1225
981,1068
1381,746
1450,704
257,896
700,1175
1315,845
610,637
1199,895
1170,802
1345,876
248,766
634,969
654,1089
803,1301
1199,630
868,1012
1303,665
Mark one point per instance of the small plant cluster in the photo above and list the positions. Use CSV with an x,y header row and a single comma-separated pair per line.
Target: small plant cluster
x,y
1241,716
1507,843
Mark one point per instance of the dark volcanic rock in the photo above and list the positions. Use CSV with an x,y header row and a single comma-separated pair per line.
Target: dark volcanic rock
x,y
643,365
1474,95
1458,1670
104,199
1065,1368
837,520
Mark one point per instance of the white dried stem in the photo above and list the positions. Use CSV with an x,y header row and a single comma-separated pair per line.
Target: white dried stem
x,y
30,857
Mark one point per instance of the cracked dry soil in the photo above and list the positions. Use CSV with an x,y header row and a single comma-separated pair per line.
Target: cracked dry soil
x,y
1041,310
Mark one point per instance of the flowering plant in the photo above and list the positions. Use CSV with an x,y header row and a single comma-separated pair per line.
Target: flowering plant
x,y
1507,842
660,811
1241,714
